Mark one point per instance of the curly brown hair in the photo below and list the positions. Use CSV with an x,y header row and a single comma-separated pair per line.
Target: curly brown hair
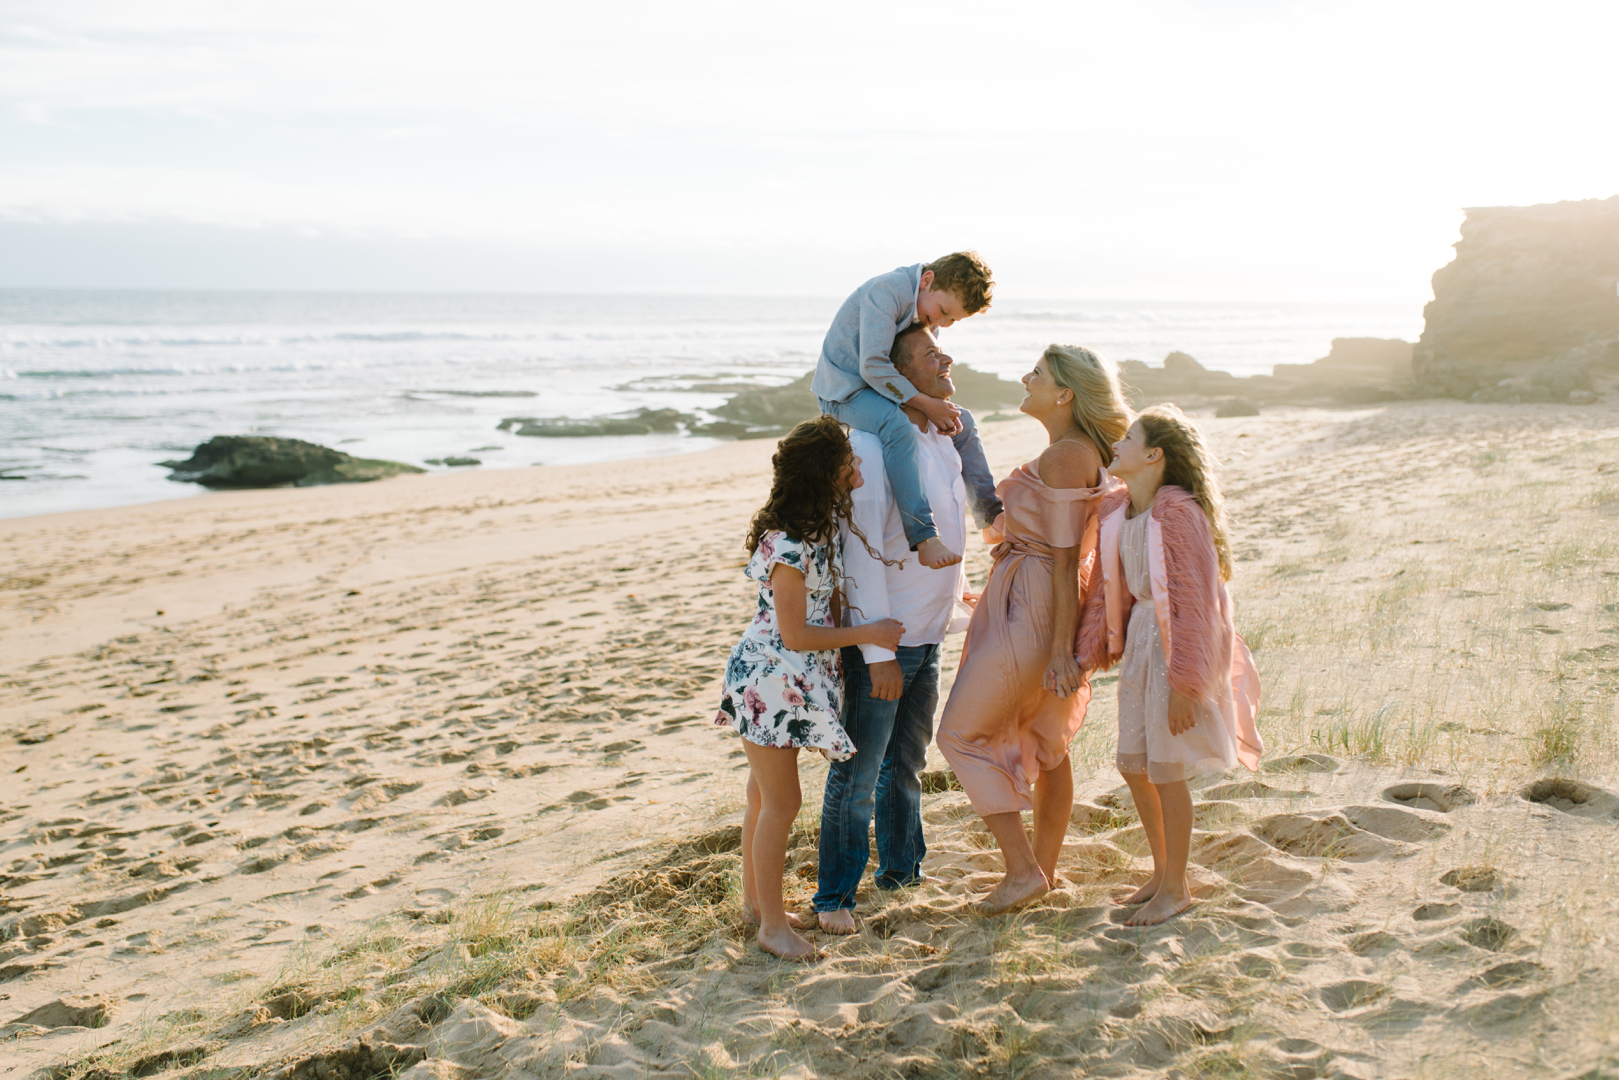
x,y
806,501
967,276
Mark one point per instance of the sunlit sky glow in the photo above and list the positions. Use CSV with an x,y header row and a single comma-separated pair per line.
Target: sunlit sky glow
x,y
1241,149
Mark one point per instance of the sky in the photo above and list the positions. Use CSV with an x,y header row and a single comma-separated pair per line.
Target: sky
x,y
1189,149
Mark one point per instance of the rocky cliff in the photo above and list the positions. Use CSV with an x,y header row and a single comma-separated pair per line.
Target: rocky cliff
x,y
1528,305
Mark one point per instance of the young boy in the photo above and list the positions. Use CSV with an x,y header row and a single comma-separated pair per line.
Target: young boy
x,y
856,382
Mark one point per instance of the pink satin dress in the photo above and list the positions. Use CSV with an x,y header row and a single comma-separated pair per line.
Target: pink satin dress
x,y
1001,727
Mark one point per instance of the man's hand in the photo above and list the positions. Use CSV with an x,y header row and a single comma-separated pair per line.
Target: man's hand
x,y
940,413
1181,716
886,681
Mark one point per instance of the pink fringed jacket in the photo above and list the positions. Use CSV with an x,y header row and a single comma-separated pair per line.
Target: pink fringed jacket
x,y
1206,658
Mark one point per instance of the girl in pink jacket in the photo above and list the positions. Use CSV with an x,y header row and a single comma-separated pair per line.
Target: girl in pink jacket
x,y
1188,690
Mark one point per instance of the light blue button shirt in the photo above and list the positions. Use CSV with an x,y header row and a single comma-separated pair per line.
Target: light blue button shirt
x,y
855,352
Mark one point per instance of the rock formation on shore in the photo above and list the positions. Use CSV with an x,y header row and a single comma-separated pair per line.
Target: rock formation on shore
x,y
1528,308
1356,371
253,461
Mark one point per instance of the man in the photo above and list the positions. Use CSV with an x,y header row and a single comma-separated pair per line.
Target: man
x,y
890,696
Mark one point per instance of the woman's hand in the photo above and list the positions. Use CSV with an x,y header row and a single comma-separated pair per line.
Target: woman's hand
x,y
1063,676
885,633
1181,716
971,599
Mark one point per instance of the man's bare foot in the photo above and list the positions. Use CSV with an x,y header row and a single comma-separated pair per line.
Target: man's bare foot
x,y
1011,892
750,917
840,921
934,555
1160,908
786,944
1141,895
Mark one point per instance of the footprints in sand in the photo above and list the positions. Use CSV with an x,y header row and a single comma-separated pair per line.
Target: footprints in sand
x,y
1574,797
1297,885
1442,798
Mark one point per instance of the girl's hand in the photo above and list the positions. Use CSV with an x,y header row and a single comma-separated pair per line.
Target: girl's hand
x,y
1063,676
970,598
885,633
1181,716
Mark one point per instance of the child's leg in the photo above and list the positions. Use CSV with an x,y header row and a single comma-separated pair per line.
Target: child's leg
x,y
1152,821
750,822
750,889
981,497
870,411
775,768
1173,896
1053,805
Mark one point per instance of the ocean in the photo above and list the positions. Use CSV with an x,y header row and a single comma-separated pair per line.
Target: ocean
x,y
97,387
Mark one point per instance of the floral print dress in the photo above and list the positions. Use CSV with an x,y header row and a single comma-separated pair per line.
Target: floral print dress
x,y
776,696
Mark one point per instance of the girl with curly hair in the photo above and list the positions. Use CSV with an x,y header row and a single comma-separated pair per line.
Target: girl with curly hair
x,y
783,686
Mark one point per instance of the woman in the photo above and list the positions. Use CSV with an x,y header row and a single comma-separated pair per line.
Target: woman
x,y
1019,694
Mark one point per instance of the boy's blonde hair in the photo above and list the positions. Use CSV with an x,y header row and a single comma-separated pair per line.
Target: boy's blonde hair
x,y
1189,464
1099,408
967,276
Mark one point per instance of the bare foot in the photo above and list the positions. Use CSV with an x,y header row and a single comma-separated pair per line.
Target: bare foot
x,y
1141,895
1011,892
786,944
750,917
840,921
932,554
1160,908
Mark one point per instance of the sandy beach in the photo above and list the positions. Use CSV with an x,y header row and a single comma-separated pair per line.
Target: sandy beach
x,y
419,778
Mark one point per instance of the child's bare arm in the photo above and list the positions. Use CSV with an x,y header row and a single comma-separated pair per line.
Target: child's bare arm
x,y
792,605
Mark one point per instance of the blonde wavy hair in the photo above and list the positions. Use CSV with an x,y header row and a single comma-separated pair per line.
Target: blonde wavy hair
x,y
1189,464
1099,408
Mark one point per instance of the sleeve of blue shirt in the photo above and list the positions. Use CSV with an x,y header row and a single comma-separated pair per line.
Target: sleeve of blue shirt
x,y
880,311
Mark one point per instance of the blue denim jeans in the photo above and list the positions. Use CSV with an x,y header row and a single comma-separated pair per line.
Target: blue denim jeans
x,y
883,778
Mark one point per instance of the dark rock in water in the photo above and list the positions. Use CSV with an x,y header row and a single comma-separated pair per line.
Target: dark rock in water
x,y
253,461
768,410
771,411
1236,407
454,461
1531,288
640,422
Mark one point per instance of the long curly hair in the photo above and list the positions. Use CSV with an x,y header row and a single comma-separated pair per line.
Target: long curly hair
x,y
1099,408
806,501
1190,464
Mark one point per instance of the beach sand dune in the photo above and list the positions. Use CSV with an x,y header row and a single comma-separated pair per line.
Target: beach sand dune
x,y
420,777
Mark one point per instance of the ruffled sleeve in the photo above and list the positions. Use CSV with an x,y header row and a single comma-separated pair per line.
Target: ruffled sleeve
x,y
775,547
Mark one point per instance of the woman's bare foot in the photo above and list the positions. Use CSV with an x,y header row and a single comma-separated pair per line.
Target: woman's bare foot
x,y
1160,908
840,921
750,917
1141,895
786,944
1011,892
932,554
